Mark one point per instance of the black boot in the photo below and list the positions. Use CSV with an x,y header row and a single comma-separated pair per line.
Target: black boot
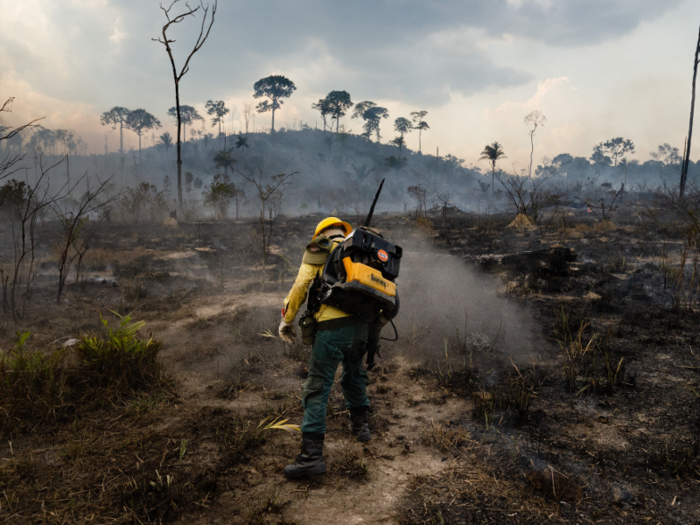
x,y
310,461
360,426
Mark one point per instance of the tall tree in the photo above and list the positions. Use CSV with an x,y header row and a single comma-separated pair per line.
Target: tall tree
x,y
117,117
217,111
667,154
275,88
493,154
338,103
324,108
372,115
420,125
248,114
177,75
686,154
139,121
613,150
402,126
47,138
534,119
65,136
188,115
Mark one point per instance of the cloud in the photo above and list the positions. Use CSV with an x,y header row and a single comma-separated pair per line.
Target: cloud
x,y
579,22
118,34
81,56
101,50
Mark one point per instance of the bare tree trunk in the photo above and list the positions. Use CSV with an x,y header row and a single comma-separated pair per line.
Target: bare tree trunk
x,y
273,120
121,146
179,142
686,157
185,68
532,151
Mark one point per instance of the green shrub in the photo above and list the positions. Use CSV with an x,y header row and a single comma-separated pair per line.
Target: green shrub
x,y
32,384
121,362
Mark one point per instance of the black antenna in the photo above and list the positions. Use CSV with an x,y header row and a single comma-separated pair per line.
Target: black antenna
x,y
374,203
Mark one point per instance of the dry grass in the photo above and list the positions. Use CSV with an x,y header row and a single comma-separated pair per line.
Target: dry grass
x,y
32,385
474,492
589,361
604,226
447,439
111,467
112,470
351,463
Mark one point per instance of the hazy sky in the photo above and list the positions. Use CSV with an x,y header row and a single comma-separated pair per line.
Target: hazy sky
x,y
596,68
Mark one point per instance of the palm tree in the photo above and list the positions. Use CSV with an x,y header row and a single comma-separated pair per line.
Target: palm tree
x,y
242,142
223,159
420,125
399,141
218,110
401,125
166,140
493,154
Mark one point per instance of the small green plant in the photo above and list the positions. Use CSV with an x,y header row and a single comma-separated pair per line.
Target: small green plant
x,y
120,362
619,264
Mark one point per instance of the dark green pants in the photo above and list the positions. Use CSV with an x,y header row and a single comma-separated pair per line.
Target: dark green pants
x,y
331,347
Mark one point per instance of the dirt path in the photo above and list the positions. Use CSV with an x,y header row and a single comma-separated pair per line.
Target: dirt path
x,y
365,483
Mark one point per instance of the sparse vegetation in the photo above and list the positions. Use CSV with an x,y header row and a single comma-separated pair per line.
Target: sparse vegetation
x,y
120,363
39,386
32,385
486,418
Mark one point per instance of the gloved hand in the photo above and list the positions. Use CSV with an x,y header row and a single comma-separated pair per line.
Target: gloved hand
x,y
287,332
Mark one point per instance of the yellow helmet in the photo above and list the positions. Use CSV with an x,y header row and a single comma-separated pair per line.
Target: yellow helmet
x,y
332,221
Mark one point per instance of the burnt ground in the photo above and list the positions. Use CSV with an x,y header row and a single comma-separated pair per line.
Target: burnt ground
x,y
606,433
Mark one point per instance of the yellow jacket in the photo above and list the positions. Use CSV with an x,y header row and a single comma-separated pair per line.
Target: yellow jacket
x,y
300,289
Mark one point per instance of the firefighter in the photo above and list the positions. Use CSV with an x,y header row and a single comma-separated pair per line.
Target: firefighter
x,y
339,338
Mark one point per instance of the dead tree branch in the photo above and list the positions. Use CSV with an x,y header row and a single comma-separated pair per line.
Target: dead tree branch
x,y
10,159
177,76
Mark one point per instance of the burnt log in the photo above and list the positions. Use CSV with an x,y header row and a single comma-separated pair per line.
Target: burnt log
x,y
549,261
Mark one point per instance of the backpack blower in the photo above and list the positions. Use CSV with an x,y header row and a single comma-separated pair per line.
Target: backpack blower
x,y
359,275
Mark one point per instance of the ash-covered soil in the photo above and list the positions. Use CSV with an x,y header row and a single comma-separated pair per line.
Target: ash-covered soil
x,y
541,376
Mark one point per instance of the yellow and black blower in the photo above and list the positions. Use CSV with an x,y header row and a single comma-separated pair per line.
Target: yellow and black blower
x,y
359,275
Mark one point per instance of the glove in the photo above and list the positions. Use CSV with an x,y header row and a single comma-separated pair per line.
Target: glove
x,y
287,332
